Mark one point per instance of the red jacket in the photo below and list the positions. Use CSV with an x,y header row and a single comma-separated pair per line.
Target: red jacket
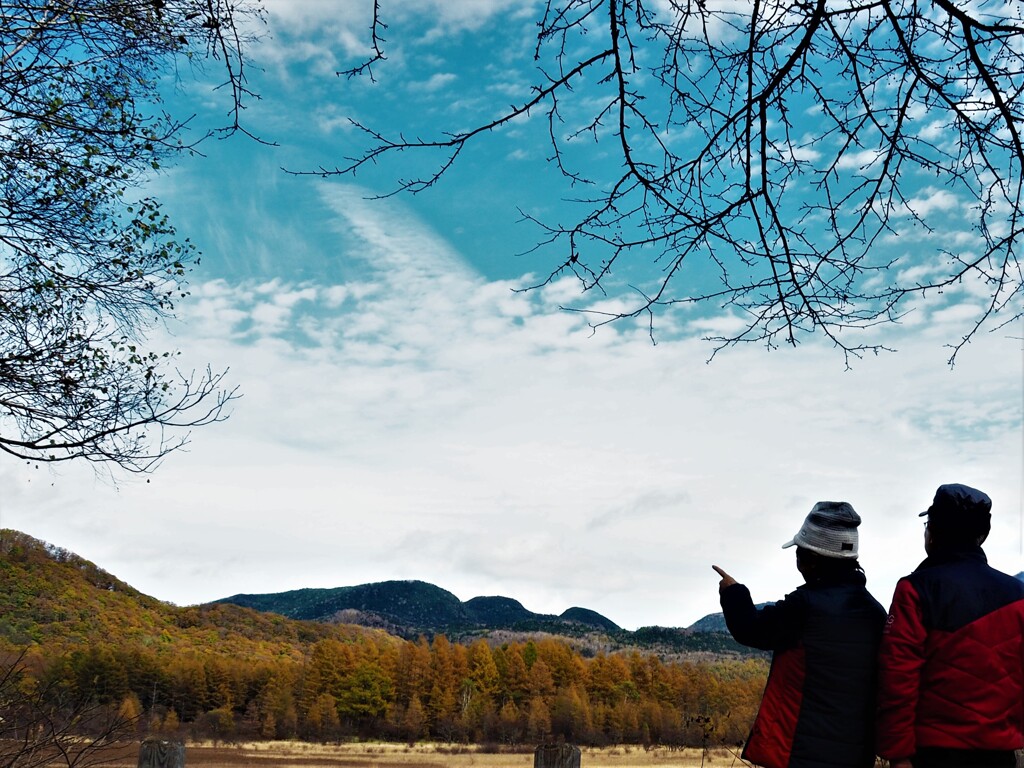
x,y
818,705
951,664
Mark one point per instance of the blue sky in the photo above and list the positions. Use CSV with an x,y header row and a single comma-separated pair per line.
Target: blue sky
x,y
406,415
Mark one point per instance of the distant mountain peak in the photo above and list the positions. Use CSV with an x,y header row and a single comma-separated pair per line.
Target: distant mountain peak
x,y
589,618
416,607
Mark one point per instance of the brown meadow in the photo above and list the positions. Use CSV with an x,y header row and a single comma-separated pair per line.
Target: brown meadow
x,y
282,754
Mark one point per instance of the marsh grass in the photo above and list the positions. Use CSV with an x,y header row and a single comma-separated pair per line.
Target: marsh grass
x,y
281,754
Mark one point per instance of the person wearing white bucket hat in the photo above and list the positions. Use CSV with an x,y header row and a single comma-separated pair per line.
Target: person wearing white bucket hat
x,y
830,529
819,702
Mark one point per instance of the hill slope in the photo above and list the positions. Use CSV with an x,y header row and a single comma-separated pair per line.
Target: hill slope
x,y
52,597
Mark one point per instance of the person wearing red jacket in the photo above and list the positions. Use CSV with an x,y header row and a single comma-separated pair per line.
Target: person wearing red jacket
x,y
818,706
951,662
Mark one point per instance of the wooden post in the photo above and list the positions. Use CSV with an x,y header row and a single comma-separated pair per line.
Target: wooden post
x,y
160,753
556,756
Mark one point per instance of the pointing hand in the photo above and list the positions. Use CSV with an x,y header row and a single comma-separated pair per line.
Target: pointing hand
x,y
727,580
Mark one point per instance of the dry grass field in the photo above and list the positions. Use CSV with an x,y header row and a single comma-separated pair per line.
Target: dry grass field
x,y
300,755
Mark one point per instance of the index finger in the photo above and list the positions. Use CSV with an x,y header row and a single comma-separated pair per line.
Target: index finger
x,y
720,572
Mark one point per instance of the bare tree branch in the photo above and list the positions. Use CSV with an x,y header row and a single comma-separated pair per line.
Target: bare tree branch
x,y
788,146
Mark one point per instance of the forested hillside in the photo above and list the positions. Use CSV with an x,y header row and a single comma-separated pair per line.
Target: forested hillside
x,y
53,599
413,608
230,672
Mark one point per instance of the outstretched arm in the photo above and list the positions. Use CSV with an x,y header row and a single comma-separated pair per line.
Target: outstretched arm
x,y
769,628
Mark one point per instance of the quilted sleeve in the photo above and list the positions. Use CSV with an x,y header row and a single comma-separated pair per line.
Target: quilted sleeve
x,y
901,658
772,627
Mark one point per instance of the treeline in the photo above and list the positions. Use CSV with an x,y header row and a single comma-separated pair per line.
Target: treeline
x,y
101,652
374,686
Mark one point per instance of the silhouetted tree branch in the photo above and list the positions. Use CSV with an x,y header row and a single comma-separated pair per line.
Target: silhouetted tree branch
x,y
45,725
85,268
786,145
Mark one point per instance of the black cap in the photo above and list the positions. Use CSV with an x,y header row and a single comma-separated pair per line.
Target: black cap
x,y
961,507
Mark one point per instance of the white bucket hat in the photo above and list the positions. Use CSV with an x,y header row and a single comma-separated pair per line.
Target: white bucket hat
x,y
830,529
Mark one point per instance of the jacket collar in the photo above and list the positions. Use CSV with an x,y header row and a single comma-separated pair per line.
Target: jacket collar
x,y
970,553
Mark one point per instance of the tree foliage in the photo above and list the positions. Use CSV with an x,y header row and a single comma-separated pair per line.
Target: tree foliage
x,y
809,168
88,265
111,692
73,639
47,723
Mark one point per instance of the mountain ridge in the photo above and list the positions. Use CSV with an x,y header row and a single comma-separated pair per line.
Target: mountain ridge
x,y
411,608
53,597
418,607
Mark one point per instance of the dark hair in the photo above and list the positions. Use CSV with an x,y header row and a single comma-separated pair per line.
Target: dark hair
x,y
954,533
816,567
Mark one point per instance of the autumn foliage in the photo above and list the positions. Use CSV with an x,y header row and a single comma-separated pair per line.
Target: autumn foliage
x,y
225,672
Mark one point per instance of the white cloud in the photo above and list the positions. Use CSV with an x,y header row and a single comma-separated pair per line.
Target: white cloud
x,y
426,423
332,118
859,161
436,82
929,200
345,24
455,16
